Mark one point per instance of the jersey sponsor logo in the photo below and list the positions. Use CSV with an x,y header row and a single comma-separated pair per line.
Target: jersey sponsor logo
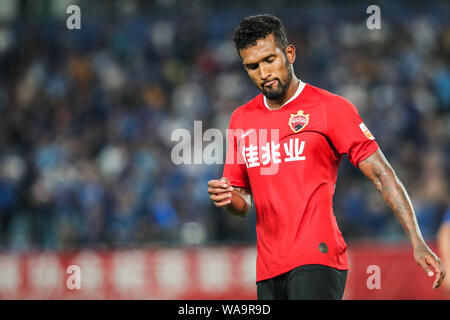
x,y
298,121
269,153
366,131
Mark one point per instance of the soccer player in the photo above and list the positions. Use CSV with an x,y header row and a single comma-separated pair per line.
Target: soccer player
x,y
285,146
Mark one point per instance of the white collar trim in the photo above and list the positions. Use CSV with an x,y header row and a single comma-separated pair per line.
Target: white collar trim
x,y
300,88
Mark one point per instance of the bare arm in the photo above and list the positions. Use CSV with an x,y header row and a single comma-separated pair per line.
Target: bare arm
x,y
377,169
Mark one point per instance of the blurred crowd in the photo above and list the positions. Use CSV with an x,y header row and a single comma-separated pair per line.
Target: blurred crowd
x,y
86,116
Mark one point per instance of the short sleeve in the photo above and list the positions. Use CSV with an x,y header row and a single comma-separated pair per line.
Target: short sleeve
x,y
234,168
347,131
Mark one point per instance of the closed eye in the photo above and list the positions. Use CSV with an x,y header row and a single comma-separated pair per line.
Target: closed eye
x,y
252,66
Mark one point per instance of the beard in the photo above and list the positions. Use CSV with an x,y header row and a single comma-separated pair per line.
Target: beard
x,y
277,90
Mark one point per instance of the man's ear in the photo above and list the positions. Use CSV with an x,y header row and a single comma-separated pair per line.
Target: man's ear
x,y
290,53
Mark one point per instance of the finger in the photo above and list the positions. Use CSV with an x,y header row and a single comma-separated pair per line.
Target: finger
x,y
225,180
219,190
438,280
439,269
218,183
442,278
224,196
426,268
215,183
222,203
430,262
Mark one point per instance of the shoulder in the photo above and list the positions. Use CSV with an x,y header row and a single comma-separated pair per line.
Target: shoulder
x,y
333,103
246,108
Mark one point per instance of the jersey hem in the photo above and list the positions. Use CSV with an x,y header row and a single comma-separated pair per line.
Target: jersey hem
x,y
262,278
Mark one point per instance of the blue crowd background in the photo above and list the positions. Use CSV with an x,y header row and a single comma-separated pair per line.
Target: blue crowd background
x,y
86,116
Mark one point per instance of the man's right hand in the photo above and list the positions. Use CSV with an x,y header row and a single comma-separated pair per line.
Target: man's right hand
x,y
220,191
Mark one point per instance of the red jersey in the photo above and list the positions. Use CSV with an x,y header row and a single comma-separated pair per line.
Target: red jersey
x,y
289,157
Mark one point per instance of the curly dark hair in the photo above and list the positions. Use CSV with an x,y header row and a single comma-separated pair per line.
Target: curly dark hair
x,y
253,28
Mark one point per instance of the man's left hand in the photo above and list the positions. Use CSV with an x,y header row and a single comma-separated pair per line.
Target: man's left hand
x,y
429,261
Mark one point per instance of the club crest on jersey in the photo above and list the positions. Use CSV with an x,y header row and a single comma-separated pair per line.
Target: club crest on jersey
x,y
298,121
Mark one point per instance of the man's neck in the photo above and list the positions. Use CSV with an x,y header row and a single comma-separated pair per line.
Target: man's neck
x,y
293,86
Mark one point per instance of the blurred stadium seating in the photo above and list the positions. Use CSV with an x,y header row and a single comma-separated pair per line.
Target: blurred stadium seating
x,y
86,118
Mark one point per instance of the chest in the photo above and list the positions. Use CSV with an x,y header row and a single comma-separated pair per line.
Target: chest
x,y
292,135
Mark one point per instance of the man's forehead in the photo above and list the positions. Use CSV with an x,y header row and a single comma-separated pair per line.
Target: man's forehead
x,y
262,49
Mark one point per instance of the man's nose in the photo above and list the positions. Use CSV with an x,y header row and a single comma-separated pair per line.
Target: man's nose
x,y
264,72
